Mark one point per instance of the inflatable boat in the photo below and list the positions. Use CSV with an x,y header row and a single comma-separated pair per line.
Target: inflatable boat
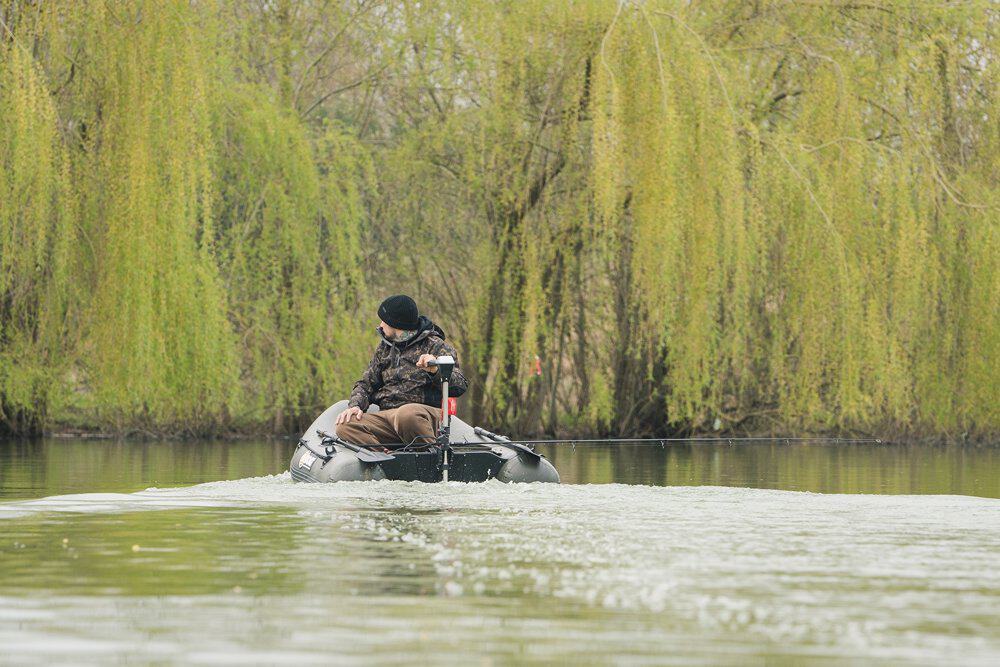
x,y
459,453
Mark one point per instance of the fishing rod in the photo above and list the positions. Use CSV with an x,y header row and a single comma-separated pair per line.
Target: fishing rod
x,y
506,442
706,440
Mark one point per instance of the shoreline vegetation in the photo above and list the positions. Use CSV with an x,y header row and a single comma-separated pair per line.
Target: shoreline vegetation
x,y
884,437
630,218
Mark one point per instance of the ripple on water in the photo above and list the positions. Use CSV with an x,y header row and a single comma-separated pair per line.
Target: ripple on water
x,y
604,572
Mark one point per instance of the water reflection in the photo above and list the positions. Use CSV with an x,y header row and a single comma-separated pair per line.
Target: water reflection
x,y
817,467
203,551
33,468
51,466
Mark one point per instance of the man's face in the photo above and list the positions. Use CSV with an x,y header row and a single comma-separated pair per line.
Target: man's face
x,y
392,333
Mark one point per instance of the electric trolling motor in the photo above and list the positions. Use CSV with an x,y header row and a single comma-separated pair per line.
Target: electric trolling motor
x,y
445,364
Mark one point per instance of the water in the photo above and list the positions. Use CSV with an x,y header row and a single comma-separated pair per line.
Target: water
x,y
771,553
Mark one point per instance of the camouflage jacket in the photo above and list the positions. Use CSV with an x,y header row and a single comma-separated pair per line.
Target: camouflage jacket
x,y
392,377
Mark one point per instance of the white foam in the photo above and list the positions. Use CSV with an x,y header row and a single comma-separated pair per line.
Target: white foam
x,y
751,570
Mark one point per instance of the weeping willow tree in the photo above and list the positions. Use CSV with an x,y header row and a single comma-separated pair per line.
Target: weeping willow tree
x,y
690,237
215,262
630,216
897,290
36,238
668,193
290,219
159,346
467,188
815,267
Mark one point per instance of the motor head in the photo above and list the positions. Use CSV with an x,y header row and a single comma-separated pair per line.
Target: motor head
x,y
445,364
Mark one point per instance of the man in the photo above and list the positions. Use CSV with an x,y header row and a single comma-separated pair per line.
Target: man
x,y
399,381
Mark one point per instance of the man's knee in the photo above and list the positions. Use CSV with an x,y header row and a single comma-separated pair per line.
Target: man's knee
x,y
409,410
355,428
349,429
415,419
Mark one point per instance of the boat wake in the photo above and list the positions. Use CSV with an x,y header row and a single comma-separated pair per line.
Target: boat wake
x,y
805,574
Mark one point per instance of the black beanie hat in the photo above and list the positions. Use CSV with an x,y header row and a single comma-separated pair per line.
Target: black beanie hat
x,y
400,311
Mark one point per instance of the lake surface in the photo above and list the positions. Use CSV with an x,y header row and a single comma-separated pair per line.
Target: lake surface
x,y
207,553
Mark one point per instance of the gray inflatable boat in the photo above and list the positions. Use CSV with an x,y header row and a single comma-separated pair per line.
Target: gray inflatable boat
x,y
472,456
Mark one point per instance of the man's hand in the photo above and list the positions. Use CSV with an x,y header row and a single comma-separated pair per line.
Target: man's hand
x,y
422,363
348,414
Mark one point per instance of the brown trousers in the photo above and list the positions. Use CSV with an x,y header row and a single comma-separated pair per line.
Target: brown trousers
x,y
412,422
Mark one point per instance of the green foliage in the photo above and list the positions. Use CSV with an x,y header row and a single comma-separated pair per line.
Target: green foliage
x,y
746,216
667,175
290,224
159,346
36,241
216,263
